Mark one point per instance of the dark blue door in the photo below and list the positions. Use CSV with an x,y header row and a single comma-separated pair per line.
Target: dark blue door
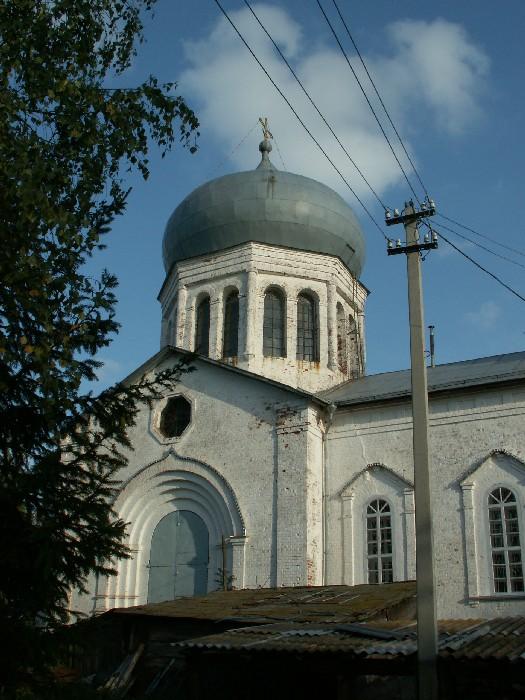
x,y
179,557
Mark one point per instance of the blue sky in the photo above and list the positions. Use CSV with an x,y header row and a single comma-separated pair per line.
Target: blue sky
x,y
451,74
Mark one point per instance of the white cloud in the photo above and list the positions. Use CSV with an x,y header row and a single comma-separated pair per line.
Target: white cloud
x,y
444,66
433,66
486,316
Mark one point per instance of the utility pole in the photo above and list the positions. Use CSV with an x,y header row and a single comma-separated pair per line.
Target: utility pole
x,y
427,678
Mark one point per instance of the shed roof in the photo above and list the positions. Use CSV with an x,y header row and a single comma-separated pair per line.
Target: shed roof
x,y
498,639
298,604
481,371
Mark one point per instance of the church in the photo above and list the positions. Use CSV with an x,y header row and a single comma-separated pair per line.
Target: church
x,y
279,461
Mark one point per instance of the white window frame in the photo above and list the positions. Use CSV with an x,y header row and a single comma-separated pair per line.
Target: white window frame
x,y
379,556
498,468
377,481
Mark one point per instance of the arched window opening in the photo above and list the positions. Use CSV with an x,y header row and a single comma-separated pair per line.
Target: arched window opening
x,y
507,567
202,328
342,340
379,542
273,324
307,329
230,345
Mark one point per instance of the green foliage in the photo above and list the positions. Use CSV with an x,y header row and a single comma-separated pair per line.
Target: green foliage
x,y
65,138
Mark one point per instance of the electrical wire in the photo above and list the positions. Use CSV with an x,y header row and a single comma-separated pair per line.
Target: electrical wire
x,y
368,101
225,160
279,152
380,99
488,250
479,245
283,57
483,269
334,166
457,223
482,235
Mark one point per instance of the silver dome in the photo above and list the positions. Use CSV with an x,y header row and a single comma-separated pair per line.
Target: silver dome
x,y
265,205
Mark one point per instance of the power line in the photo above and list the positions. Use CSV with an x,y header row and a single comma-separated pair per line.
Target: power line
x,y
314,104
474,262
380,99
300,120
482,235
222,162
502,257
368,101
480,245
279,152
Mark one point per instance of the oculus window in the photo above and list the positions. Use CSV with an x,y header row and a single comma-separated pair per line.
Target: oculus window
x,y
175,417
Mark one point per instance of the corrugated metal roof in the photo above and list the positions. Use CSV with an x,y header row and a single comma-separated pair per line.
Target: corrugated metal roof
x,y
502,639
456,375
302,604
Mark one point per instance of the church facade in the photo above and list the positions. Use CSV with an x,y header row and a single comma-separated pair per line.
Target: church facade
x,y
278,461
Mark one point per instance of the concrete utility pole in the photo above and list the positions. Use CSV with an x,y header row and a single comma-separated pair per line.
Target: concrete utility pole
x,y
426,602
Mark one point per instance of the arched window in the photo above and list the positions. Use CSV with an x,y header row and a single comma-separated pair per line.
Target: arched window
x,y
342,340
307,329
202,327
379,542
230,343
507,567
273,324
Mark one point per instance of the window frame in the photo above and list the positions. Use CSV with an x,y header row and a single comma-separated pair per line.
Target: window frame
x,y
226,350
315,354
379,556
203,300
505,549
278,293
499,467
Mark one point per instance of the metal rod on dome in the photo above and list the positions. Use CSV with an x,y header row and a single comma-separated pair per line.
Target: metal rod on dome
x,y
267,134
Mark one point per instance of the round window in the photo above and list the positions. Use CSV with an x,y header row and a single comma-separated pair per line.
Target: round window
x,y
175,417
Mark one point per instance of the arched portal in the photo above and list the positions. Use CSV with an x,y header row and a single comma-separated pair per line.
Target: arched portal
x,y
179,557
152,503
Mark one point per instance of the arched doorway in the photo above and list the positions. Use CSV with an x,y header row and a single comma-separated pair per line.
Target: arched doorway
x,y
179,557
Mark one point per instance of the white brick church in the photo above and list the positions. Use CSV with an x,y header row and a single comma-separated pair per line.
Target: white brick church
x,y
279,462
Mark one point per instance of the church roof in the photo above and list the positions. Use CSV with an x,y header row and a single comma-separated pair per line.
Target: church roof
x,y
264,205
456,375
168,350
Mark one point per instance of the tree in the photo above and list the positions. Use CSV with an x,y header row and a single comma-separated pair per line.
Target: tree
x,y
65,137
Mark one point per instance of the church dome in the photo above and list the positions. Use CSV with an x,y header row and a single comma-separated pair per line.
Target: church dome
x,y
264,205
